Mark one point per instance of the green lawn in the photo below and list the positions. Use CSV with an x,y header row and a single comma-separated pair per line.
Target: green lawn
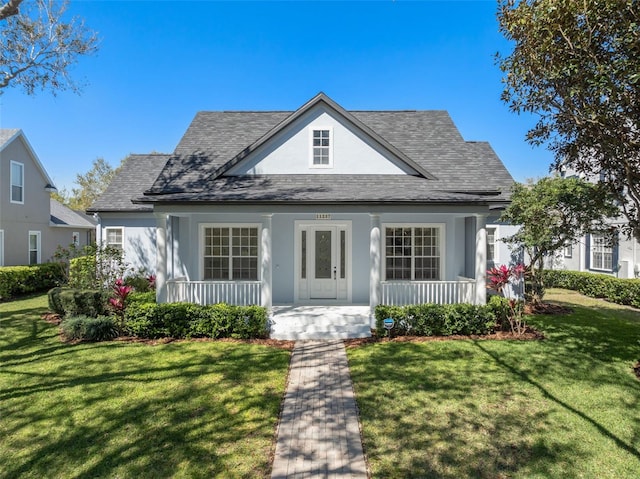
x,y
564,407
114,409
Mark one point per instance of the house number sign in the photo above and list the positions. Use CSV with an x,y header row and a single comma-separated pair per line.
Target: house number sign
x,y
323,216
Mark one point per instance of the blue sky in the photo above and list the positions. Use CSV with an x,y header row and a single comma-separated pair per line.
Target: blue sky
x,y
160,62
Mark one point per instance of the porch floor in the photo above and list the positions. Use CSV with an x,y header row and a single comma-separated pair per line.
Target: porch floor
x,y
295,322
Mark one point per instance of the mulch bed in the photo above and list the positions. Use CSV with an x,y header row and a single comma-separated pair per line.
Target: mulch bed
x,y
51,318
636,369
529,335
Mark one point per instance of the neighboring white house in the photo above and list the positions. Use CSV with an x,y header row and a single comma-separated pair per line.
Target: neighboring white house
x,y
32,225
314,206
596,254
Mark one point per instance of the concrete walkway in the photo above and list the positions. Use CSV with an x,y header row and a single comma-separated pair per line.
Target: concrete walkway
x,y
318,435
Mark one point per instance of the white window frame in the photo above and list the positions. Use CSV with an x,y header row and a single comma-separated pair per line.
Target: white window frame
x,y
442,236
313,129
494,244
38,249
201,251
1,247
11,185
567,251
602,247
106,236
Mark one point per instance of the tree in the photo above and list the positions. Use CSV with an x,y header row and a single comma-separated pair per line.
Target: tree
x,y
576,64
90,186
554,212
38,47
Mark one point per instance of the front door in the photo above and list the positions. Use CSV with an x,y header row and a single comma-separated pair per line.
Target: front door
x,y
323,261
323,282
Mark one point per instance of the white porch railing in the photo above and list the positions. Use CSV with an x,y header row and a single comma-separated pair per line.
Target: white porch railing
x,y
399,293
242,293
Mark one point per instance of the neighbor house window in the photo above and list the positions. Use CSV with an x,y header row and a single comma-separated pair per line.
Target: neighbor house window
x,y
17,182
230,253
491,244
34,247
321,156
413,253
601,253
114,237
568,251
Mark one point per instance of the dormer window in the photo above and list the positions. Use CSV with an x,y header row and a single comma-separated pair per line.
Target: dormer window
x,y
321,148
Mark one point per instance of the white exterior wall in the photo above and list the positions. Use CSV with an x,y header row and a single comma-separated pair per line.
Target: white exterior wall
x,y
139,232
289,152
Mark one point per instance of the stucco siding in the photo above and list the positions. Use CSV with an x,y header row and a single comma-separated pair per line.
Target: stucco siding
x,y
139,238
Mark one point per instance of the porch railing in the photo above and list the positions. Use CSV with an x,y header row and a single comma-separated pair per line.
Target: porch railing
x,y
241,293
399,293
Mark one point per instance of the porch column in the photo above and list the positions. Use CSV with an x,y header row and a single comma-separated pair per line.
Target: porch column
x,y
266,268
374,268
161,258
481,259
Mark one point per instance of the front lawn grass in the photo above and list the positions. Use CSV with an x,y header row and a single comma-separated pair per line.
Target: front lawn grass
x,y
129,410
567,406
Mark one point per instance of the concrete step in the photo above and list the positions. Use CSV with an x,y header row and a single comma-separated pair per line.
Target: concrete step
x,y
320,322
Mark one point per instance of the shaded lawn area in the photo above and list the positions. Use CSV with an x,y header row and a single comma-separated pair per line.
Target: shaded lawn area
x,y
115,409
564,407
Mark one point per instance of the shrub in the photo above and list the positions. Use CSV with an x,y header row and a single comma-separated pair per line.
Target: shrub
x,y
436,319
77,302
137,297
91,266
185,320
83,328
616,290
17,280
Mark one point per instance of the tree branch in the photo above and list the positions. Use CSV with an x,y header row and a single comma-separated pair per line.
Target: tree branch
x,y
9,9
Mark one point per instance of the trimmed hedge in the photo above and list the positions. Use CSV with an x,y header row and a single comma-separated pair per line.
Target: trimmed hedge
x,y
78,302
146,297
186,320
18,280
440,319
616,290
102,328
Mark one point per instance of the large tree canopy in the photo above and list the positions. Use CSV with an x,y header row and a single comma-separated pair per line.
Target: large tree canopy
x,y
576,63
38,46
554,212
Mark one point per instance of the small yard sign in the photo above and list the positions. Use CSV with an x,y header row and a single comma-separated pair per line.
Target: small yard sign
x,y
388,323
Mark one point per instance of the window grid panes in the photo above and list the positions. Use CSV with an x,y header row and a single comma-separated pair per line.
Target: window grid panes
x,y
412,253
321,146
491,244
17,182
231,253
602,253
114,238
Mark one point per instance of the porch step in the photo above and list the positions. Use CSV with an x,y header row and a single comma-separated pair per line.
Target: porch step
x,y
320,322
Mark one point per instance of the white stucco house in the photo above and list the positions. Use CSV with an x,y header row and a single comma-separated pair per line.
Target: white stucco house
x,y
317,206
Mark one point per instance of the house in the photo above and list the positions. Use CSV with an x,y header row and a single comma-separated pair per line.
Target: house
x,y
32,225
596,253
318,206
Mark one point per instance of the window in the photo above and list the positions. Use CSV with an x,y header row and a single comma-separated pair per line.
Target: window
x,y
17,182
568,251
114,237
601,253
321,156
230,253
491,244
34,247
413,253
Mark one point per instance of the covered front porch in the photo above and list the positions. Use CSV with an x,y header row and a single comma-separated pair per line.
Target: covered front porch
x,y
292,258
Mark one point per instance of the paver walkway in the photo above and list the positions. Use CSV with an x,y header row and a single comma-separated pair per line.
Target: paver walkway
x,y
318,435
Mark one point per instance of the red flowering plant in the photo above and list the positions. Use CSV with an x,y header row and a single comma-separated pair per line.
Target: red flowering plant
x,y
502,279
118,301
152,281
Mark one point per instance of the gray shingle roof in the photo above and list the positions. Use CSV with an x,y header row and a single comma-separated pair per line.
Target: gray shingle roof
x,y
63,216
449,168
6,134
136,175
